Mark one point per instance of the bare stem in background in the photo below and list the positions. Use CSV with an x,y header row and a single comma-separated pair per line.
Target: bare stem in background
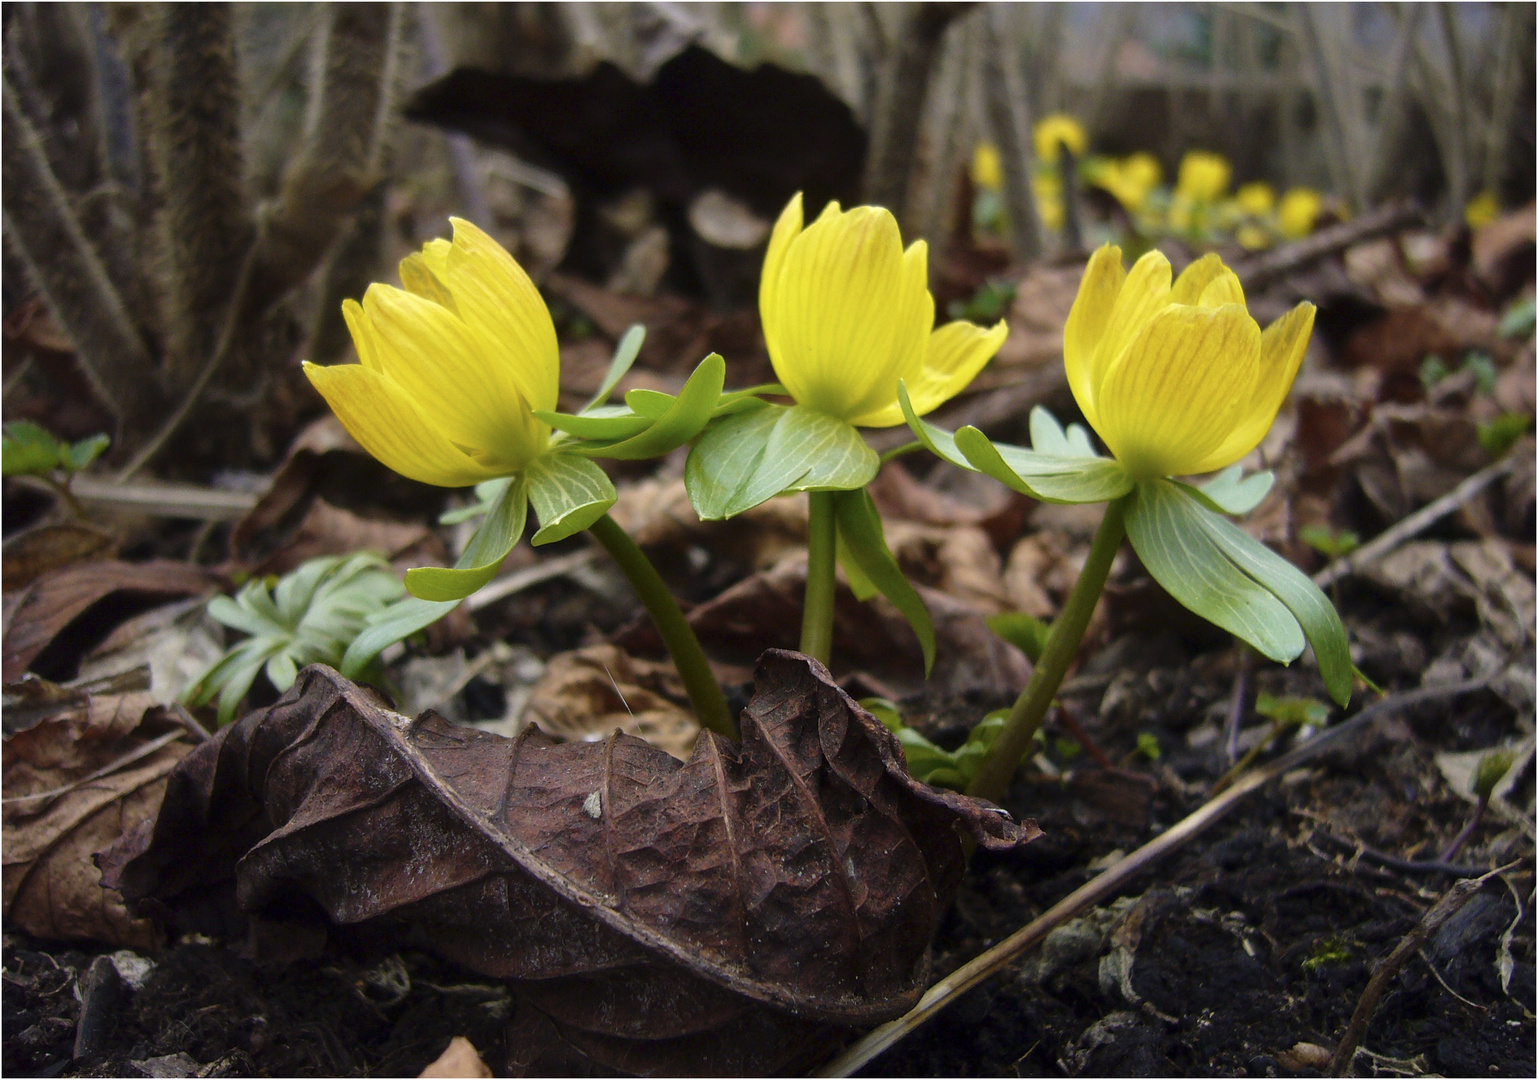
x,y
901,90
194,136
1010,122
43,232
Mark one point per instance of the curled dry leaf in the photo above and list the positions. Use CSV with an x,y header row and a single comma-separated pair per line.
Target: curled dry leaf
x,y
663,916
30,555
50,604
74,781
586,695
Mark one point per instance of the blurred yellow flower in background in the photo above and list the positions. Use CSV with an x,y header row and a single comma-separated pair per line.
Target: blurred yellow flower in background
x,y
1177,378
1298,211
1256,198
1129,180
847,313
1203,176
451,367
1482,209
987,169
1055,131
1252,237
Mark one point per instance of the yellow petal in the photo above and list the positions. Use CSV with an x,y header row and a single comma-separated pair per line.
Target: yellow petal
x,y
418,277
1282,348
504,309
386,424
956,353
1144,293
1179,390
786,229
364,340
846,315
1087,321
432,356
1207,283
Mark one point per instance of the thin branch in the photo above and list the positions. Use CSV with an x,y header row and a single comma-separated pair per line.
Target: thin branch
x,y
1004,103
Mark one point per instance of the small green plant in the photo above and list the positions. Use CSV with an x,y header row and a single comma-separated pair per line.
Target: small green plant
x,y
1024,631
1148,745
954,769
1433,370
1329,952
1290,712
1518,320
309,616
31,450
989,304
1501,434
1328,542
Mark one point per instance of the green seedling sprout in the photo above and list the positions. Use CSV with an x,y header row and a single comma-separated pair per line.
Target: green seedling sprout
x,y
31,450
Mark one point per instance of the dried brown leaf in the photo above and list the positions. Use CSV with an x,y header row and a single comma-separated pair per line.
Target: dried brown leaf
x,y
30,555
74,782
55,600
586,695
662,915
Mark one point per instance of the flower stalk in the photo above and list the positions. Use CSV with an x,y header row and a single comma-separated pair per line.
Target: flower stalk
x,y
817,607
1030,708
682,644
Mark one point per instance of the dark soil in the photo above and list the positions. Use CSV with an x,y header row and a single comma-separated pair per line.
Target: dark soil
x,y
1257,937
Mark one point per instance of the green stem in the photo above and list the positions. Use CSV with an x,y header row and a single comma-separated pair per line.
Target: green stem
x,y
821,556
704,692
1062,645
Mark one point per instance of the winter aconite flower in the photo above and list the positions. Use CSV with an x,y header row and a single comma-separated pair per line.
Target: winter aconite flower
x,y
987,167
1055,131
1177,378
1481,210
1203,176
847,314
1297,212
452,366
1129,180
1257,198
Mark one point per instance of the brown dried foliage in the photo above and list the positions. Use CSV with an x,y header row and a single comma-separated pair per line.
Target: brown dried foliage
x,y
714,914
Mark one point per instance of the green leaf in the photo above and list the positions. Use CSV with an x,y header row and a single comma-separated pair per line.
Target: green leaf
x,y
859,527
1294,711
1223,574
1311,608
82,453
1048,436
1025,632
1047,477
625,352
606,422
27,449
398,621
482,556
1518,320
939,442
1231,492
684,418
862,587
751,457
569,493
487,492
649,403
1328,542
1167,529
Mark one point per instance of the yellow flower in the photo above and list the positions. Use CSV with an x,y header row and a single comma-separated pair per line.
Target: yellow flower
x,y
1298,211
1252,237
1482,209
1257,198
1143,170
451,367
1203,176
1056,131
1177,380
847,313
987,169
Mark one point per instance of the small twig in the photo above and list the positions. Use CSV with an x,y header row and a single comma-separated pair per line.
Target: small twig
x,y
1393,862
1444,909
953,986
1450,852
1260,270
1423,518
1243,699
